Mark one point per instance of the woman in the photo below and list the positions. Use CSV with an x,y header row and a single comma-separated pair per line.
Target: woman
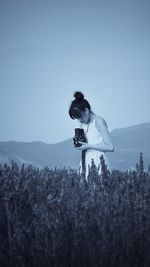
x,y
96,133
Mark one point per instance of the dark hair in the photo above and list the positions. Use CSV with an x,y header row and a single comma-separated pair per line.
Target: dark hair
x,y
78,105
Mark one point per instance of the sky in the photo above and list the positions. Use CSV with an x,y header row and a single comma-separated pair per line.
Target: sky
x,y
50,49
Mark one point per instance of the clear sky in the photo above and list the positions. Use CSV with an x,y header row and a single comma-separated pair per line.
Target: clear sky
x,y
50,49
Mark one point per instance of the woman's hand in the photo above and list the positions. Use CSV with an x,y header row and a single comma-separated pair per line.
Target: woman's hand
x,y
84,146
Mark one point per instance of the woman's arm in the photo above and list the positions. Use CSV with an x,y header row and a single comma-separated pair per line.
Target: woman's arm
x,y
103,148
103,130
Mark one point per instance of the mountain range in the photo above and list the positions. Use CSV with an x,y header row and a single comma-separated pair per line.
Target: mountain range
x,y
129,142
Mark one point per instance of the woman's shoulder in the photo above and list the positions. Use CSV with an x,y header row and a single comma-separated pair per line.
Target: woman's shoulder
x,y
100,120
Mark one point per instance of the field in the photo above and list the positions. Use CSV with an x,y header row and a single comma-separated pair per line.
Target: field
x,y
53,217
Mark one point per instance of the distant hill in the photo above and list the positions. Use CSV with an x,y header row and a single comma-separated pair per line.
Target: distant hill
x,y
128,142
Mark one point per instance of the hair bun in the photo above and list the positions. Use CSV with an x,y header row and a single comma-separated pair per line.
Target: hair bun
x,y
79,96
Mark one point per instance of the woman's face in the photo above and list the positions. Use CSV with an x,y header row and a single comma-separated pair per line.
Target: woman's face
x,y
85,116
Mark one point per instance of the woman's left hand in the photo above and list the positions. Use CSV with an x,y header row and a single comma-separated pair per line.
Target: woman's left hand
x,y
84,146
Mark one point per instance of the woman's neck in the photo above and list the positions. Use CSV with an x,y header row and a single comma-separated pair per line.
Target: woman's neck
x,y
92,115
